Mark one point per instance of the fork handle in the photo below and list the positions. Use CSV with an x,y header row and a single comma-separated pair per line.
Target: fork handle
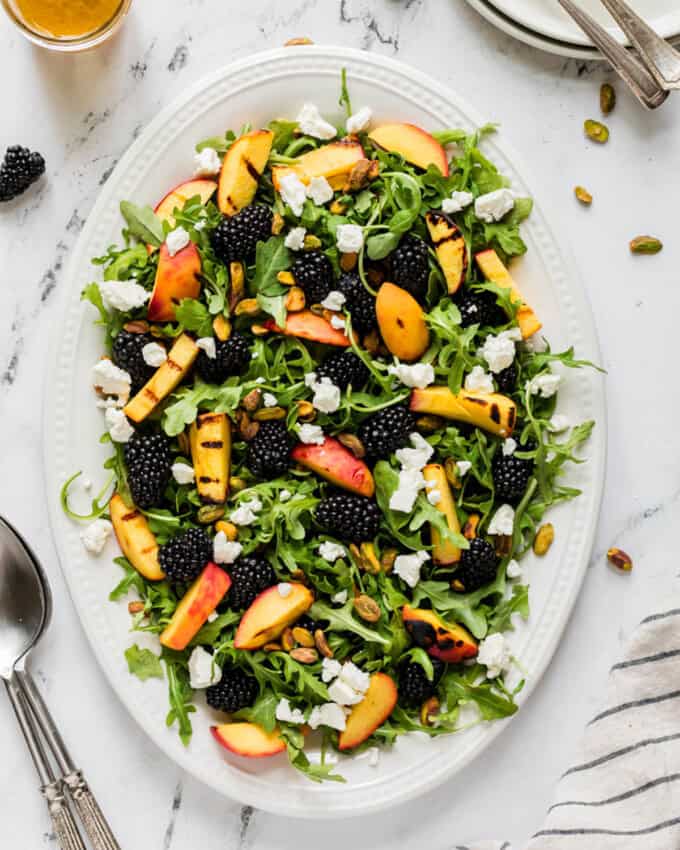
x,y
65,829
95,824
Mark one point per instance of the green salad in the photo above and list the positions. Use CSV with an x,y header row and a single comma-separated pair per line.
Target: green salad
x,y
333,432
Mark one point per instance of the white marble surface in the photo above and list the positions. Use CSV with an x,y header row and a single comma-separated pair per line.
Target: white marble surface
x,y
82,112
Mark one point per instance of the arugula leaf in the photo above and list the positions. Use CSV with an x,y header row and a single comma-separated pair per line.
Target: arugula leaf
x,y
262,712
97,509
492,705
379,245
180,696
271,257
518,603
143,663
184,404
143,223
342,620
92,294
294,744
194,316
344,93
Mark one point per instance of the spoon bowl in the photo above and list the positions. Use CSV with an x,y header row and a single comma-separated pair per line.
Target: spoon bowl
x,y
25,602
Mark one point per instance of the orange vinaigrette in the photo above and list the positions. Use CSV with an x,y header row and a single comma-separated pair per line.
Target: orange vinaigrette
x,y
66,18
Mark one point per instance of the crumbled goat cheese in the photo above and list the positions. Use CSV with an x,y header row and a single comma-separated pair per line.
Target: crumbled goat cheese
x,y
110,379
494,654
344,694
338,323
499,351
213,616
457,202
503,521
295,239
225,551
183,473
286,714
96,534
311,434
478,381
408,567
269,400
310,379
329,714
207,163
123,295
207,344
330,669
334,300
355,677
117,425
203,671
411,482
434,496
293,193
246,512
86,484
284,588
545,385
331,551
326,396
558,423
536,344
359,121
312,124
259,380
350,238
416,457
509,446
154,354
463,467
419,375
284,495
176,241
373,757
319,191
340,597
513,570
494,205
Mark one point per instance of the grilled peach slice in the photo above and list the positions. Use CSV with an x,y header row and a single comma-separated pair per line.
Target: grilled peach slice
x,y
270,614
332,461
176,278
333,161
248,739
447,642
402,322
198,603
373,710
164,380
449,245
135,538
491,411
307,325
444,552
414,144
178,196
242,167
493,270
210,440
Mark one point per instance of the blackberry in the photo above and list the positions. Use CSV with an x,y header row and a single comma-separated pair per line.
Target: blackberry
x,y
386,431
232,358
511,475
507,380
250,575
414,686
344,368
306,622
269,451
18,171
235,690
148,463
236,236
410,266
359,302
127,354
479,307
349,517
313,272
182,559
477,565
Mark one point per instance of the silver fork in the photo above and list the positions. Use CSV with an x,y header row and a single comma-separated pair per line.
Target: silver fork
x,y
651,69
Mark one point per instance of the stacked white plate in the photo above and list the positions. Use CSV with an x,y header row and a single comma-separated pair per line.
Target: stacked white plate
x,y
543,23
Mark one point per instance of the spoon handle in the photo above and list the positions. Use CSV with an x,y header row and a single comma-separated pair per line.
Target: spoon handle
x,y
95,824
65,829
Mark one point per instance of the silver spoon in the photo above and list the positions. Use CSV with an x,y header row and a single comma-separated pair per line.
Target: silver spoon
x,y
25,611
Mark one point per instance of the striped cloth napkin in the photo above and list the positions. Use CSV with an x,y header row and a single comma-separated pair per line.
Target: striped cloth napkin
x,y
623,793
